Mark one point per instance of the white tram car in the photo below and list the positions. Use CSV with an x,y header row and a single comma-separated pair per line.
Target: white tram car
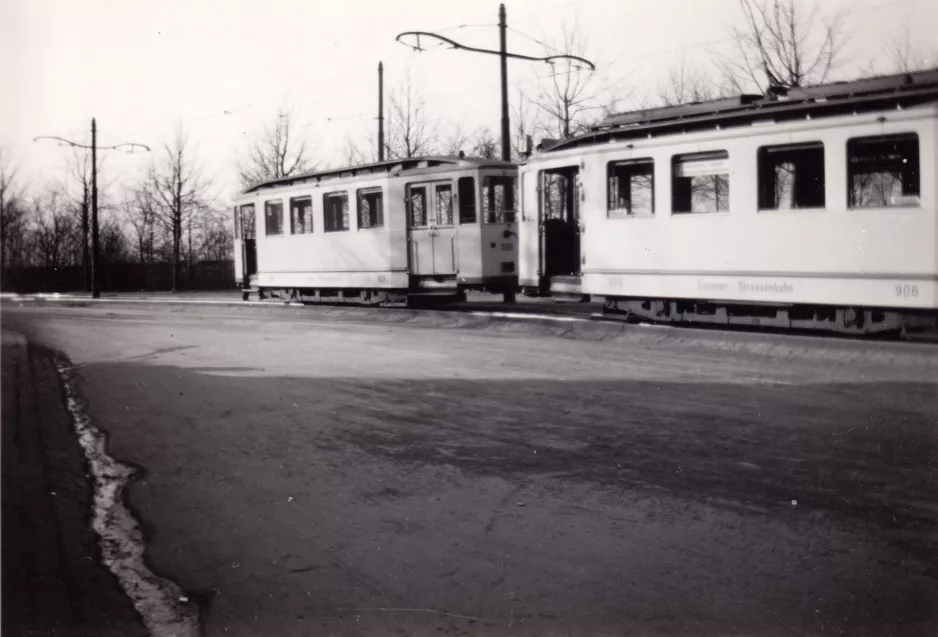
x,y
815,209
385,232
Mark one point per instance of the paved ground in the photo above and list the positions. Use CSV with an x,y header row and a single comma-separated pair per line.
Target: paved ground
x,y
307,477
475,301
53,583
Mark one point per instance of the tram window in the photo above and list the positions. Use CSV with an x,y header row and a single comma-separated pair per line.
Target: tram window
x,y
248,226
467,199
301,215
883,171
701,183
418,207
631,188
791,176
498,199
560,192
335,211
273,218
444,205
370,208
237,223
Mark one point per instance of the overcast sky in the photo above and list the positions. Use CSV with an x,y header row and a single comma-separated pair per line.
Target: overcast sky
x,y
221,68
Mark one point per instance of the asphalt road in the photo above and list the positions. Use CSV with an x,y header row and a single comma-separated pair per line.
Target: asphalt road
x,y
308,477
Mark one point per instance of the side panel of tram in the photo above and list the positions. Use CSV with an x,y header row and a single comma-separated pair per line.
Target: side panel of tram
x,y
834,212
416,231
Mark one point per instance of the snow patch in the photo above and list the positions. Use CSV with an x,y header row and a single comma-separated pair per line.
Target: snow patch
x,y
530,317
165,609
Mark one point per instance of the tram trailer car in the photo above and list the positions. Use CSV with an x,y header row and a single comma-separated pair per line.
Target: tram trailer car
x,y
387,232
813,210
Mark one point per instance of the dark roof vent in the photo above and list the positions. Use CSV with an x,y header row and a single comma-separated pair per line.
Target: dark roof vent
x,y
776,92
546,144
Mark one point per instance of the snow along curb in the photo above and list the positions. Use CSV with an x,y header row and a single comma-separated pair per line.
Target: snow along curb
x,y
165,610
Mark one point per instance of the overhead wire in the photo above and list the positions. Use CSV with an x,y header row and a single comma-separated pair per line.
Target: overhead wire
x,y
231,112
534,14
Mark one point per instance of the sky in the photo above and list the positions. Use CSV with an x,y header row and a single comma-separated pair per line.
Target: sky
x,y
220,70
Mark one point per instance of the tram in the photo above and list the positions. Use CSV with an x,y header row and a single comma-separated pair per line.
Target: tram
x,y
813,208
381,233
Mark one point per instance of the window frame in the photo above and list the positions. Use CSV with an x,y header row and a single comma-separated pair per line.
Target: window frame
x,y
237,223
545,183
767,149
713,155
346,212
267,205
473,204
488,185
252,226
427,193
628,212
310,224
359,196
443,185
903,136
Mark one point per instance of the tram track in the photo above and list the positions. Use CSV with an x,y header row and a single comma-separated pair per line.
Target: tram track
x,y
545,311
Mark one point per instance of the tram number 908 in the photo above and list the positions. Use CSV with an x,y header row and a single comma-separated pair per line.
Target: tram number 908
x,y
906,291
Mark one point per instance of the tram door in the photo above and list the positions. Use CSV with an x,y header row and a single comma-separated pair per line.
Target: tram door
x,y
245,230
431,228
560,221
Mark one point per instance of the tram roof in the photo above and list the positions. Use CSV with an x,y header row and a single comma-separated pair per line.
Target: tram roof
x,y
392,166
900,90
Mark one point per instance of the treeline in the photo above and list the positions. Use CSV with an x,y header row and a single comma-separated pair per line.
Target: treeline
x,y
168,217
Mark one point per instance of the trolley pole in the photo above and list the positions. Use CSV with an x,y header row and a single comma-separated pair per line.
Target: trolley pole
x,y
95,283
95,275
503,55
380,111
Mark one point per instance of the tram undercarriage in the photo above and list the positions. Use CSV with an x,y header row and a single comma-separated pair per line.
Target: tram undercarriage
x,y
843,320
423,291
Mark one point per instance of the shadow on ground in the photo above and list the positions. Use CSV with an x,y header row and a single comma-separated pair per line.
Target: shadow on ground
x,y
536,507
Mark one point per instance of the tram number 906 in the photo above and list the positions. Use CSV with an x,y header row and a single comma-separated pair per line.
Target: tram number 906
x,y
906,291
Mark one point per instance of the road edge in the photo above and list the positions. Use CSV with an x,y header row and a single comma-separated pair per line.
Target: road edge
x,y
164,607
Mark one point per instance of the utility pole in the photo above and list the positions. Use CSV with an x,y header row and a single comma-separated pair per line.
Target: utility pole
x,y
380,111
95,282
85,254
504,55
506,130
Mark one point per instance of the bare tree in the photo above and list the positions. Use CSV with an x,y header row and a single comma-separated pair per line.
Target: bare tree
x,y
568,98
215,240
113,242
276,154
687,84
784,44
141,214
12,217
522,123
455,139
905,56
54,227
354,154
79,169
178,191
485,145
412,130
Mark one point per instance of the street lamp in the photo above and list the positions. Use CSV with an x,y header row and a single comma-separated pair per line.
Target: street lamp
x,y
504,55
95,284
